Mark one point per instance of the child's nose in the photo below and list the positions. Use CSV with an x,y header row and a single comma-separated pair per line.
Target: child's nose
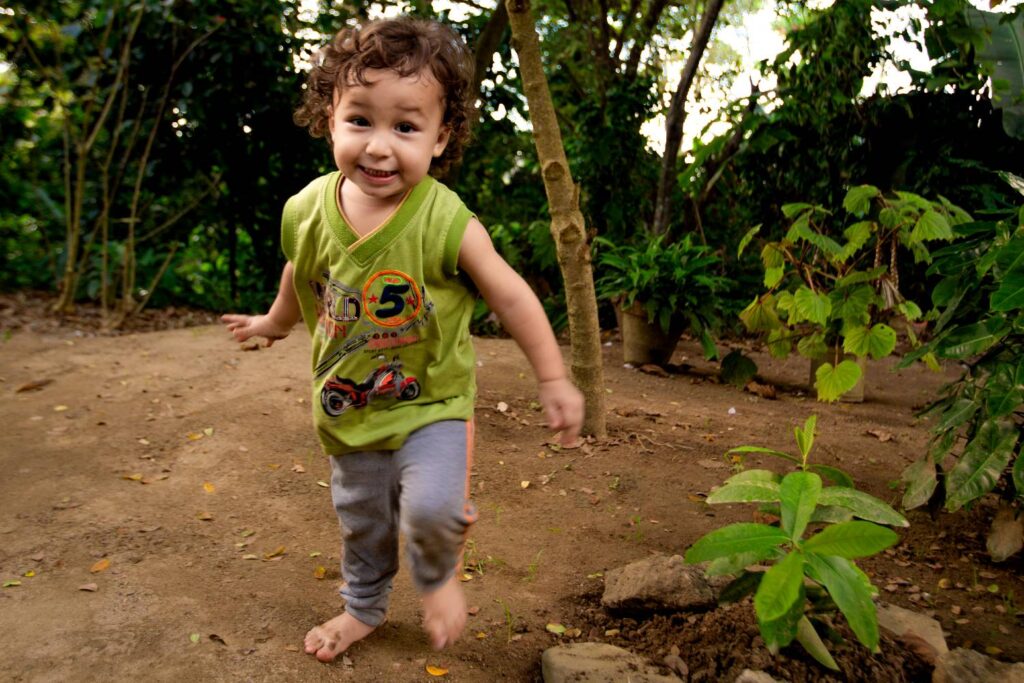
x,y
378,145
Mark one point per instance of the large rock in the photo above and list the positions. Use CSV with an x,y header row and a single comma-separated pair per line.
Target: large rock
x,y
967,666
598,663
750,676
658,583
913,628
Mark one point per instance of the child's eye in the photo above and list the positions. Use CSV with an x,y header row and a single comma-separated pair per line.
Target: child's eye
x,y
358,121
406,128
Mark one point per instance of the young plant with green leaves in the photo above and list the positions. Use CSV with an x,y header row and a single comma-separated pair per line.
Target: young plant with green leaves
x,y
676,284
845,524
979,309
833,294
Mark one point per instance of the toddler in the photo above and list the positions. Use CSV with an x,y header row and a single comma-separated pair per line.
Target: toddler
x,y
382,263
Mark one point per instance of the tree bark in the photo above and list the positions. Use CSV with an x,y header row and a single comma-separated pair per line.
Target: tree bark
x,y
567,226
677,115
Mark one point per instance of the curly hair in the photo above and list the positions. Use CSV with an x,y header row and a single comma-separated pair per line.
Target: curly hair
x,y
406,46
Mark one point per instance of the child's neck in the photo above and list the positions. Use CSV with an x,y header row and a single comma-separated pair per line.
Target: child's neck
x,y
363,212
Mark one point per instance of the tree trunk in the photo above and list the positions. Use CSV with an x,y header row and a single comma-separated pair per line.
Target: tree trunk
x,y
677,115
567,227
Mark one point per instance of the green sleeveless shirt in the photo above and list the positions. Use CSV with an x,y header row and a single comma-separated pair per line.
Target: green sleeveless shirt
x,y
388,315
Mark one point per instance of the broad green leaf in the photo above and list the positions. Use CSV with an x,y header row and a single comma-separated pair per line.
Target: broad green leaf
x,y
812,346
740,587
831,514
798,495
971,340
833,382
879,341
862,505
857,236
890,218
805,435
766,451
861,277
779,342
983,461
746,492
833,474
746,239
853,305
910,310
754,475
737,368
858,200
846,588
1010,294
734,564
735,539
772,276
957,414
780,588
921,480
772,255
851,540
790,210
810,306
760,315
932,225
809,638
780,632
784,302
1001,399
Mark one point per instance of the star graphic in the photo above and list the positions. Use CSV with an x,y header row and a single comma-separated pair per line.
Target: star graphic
x,y
411,301
373,299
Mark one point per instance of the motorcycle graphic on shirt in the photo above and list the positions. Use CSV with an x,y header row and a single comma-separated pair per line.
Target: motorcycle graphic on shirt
x,y
387,381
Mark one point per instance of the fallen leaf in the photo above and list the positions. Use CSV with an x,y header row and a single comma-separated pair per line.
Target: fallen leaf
x,y
144,442
652,369
611,632
38,557
945,583
205,516
208,487
1006,537
217,639
11,583
466,577
595,575
436,671
524,484
993,650
473,611
319,572
89,587
59,409
323,483
29,574
34,385
881,435
243,449
298,468
194,637
480,635
574,633
765,391
132,477
292,648
208,431
250,346
194,436
557,629
100,566
247,533
278,552
250,556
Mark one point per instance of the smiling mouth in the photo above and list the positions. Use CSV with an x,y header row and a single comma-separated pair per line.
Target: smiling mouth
x,y
374,173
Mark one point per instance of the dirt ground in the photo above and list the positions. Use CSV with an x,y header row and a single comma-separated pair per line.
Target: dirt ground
x,y
164,518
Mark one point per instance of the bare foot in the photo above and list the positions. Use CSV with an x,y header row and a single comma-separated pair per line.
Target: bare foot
x,y
444,614
331,638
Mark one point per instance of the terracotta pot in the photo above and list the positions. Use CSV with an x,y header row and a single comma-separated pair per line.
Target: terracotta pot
x,y
644,342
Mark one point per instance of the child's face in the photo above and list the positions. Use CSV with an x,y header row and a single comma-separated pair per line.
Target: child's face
x,y
386,134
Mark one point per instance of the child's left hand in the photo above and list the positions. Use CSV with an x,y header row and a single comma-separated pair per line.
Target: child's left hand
x,y
563,408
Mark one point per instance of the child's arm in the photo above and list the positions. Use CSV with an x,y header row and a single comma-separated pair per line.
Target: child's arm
x,y
520,312
278,321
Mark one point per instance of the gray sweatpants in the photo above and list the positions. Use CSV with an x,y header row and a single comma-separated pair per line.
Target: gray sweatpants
x,y
422,490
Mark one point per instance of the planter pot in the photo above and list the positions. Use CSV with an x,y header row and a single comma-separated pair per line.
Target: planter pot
x,y
644,342
855,395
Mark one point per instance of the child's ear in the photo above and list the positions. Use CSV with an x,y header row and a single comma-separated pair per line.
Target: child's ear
x,y
330,120
442,141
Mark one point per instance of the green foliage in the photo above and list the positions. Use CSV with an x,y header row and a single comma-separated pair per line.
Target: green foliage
x,y
831,296
825,557
676,284
979,322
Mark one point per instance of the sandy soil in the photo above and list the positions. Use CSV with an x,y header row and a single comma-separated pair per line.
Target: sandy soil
x,y
178,477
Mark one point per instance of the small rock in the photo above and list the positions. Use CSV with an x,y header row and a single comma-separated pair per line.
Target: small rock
x,y
921,633
967,666
676,663
657,583
598,663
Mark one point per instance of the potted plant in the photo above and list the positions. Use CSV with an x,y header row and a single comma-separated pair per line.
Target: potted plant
x,y
832,290
660,290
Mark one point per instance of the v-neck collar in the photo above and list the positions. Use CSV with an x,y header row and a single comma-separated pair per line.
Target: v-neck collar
x,y
362,248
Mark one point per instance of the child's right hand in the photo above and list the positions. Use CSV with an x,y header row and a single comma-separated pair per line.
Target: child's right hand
x,y
243,327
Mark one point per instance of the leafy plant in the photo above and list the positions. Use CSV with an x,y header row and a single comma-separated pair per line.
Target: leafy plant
x,y
676,284
833,297
979,303
784,605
